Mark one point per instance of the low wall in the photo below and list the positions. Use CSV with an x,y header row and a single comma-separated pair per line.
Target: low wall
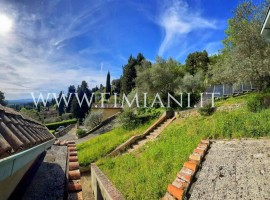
x,y
107,112
64,131
187,113
103,123
102,187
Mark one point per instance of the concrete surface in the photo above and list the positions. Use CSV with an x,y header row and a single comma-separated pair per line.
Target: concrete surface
x,y
238,169
49,181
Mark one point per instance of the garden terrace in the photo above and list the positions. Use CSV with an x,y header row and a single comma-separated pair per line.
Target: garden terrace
x,y
146,174
98,147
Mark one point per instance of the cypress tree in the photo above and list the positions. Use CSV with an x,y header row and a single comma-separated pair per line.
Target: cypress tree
x,y
108,85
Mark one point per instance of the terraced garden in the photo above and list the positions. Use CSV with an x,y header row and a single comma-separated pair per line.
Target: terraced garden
x,y
100,146
144,174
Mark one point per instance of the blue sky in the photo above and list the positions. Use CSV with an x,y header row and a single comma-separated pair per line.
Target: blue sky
x,y
47,45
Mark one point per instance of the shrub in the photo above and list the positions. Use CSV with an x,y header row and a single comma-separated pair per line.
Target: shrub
x,y
258,102
128,119
150,112
52,120
93,119
54,126
80,131
206,110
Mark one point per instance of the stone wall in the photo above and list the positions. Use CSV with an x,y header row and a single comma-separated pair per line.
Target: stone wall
x,y
102,187
64,131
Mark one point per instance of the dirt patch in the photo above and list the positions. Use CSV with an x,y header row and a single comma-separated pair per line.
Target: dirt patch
x,y
86,186
238,169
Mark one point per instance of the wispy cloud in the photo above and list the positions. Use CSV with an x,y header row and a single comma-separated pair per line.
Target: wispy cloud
x,y
178,20
35,56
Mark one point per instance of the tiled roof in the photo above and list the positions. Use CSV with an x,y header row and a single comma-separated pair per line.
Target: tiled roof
x,y
18,132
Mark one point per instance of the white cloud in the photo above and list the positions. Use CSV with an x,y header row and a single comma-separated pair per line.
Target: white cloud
x,y
178,20
34,56
213,47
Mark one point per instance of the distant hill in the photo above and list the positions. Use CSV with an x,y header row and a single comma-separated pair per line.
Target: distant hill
x,y
19,101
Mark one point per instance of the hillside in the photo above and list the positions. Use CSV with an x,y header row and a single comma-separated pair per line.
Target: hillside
x,y
155,164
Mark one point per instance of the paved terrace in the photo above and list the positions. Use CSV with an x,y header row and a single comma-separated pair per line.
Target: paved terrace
x,y
238,169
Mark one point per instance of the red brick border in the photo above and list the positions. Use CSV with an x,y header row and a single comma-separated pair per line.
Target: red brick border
x,y
73,184
184,178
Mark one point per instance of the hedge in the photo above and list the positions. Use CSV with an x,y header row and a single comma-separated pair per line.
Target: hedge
x,y
55,125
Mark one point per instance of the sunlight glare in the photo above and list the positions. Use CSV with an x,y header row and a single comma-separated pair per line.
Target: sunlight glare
x,y
5,24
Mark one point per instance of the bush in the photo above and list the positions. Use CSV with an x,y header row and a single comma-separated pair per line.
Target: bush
x,y
206,110
54,126
258,102
128,119
150,112
52,120
93,119
80,131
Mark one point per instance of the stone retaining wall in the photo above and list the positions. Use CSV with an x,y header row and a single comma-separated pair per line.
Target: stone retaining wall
x,y
103,123
64,131
102,187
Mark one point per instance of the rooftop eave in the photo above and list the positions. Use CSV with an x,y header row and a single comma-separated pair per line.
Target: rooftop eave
x,y
265,31
11,164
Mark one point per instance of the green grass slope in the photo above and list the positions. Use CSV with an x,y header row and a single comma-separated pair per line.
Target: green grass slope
x,y
145,175
100,146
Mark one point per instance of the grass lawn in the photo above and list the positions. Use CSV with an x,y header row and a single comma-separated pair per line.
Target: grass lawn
x,y
100,146
145,175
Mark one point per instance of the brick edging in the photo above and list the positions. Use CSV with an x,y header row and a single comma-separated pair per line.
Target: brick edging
x,y
184,178
73,172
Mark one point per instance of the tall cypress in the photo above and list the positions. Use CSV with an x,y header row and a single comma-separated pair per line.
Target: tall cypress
x,y
61,107
108,85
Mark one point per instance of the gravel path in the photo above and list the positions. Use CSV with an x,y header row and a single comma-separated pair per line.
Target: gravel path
x,y
49,181
238,169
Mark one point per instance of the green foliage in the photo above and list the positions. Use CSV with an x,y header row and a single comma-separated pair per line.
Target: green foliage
x,y
246,53
258,102
93,119
152,112
163,77
32,113
206,110
116,86
61,106
131,118
54,126
197,61
108,86
193,83
71,91
128,119
65,116
52,131
2,99
159,161
129,73
80,131
78,111
100,146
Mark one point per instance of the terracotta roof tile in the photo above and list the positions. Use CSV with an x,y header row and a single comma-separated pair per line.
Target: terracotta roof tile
x,y
18,132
